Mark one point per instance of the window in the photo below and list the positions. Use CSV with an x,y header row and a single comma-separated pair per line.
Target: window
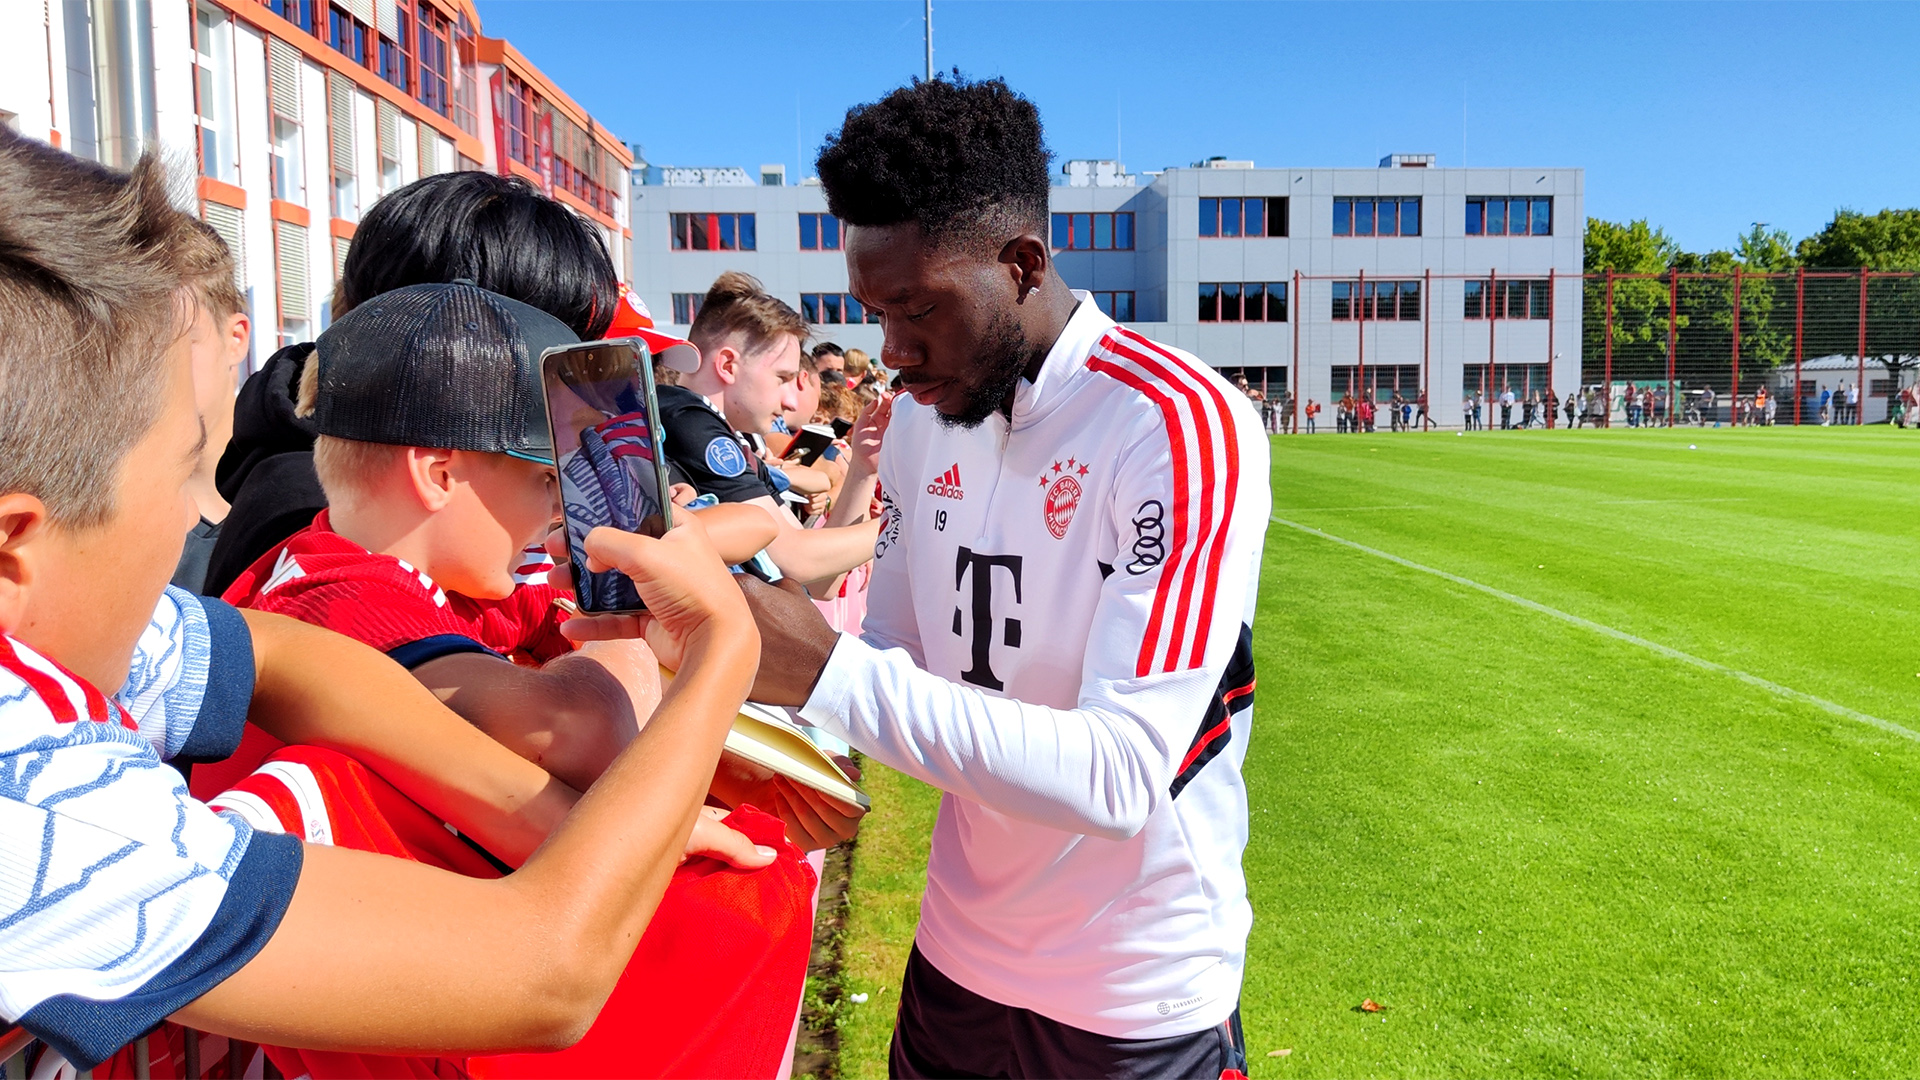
x,y
1384,380
213,94
686,305
396,54
1093,232
431,33
289,170
1513,298
1494,215
466,74
1117,306
1391,301
819,232
1524,378
297,12
1253,217
1249,301
346,35
713,232
1376,217
523,110
834,308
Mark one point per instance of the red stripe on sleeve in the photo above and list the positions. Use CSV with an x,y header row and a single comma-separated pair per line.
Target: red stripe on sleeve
x,y
1231,441
1176,438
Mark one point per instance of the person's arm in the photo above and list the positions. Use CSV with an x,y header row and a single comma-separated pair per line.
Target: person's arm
x,y
855,500
739,530
1100,767
571,716
320,688
809,555
382,955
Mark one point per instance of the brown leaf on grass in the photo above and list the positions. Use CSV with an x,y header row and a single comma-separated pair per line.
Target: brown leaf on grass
x,y
1369,1005
1280,1053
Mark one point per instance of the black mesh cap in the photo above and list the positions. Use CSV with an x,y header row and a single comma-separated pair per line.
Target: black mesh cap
x,y
453,367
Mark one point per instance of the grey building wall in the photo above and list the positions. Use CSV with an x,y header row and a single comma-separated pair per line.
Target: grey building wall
x,y
1171,259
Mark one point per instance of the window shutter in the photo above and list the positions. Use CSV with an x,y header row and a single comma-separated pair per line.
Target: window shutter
x,y
429,150
227,222
340,122
283,79
340,245
290,251
388,11
362,10
387,122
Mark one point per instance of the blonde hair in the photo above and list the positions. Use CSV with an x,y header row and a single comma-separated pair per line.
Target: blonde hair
x,y
857,362
345,466
90,303
738,305
207,264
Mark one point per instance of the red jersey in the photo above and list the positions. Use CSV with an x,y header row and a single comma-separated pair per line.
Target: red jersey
x,y
321,577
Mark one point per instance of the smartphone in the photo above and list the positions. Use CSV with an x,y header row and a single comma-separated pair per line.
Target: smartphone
x,y
812,441
841,426
602,410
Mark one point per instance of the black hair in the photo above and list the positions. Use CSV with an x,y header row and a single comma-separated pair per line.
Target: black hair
x,y
967,160
827,348
498,232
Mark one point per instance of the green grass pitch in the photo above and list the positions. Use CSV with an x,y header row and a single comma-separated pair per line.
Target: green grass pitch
x,y
1543,848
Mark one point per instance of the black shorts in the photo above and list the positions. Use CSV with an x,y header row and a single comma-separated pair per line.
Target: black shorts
x,y
944,1029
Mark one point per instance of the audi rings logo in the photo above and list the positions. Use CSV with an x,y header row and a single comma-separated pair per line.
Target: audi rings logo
x,y
1149,537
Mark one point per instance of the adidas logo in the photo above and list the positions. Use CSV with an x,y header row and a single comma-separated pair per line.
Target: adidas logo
x,y
947,484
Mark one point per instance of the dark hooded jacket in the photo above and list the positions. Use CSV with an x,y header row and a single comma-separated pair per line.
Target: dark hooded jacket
x,y
266,472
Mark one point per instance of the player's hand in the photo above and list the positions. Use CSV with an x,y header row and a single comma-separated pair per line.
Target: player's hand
x,y
681,494
795,642
715,839
869,431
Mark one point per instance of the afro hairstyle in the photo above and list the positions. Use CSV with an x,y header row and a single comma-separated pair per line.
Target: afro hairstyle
x,y
967,160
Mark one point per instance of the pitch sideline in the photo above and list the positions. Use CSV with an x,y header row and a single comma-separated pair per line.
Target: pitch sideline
x,y
1671,653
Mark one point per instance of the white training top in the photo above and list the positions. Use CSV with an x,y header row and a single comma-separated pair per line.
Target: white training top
x,y
1058,635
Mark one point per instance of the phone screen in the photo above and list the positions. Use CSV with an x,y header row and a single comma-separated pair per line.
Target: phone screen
x,y
606,445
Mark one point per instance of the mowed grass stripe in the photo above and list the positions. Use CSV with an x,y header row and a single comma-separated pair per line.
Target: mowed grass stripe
x,y
1555,853
1619,635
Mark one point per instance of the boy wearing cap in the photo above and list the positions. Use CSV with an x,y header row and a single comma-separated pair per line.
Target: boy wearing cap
x,y
436,460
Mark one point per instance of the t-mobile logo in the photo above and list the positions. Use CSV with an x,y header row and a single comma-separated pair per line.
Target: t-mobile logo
x,y
981,604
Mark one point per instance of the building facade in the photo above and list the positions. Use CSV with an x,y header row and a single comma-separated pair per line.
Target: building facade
x,y
294,116
1331,281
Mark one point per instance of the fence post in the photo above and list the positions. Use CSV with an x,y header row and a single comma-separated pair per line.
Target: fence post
x,y
1487,308
1673,332
1606,390
1860,380
1366,309
1426,341
1734,414
1294,308
1551,282
1799,335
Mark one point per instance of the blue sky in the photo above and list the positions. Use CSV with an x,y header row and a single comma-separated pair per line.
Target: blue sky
x,y
1702,117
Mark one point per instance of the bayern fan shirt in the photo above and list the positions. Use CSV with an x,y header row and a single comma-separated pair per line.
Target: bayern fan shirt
x,y
1058,636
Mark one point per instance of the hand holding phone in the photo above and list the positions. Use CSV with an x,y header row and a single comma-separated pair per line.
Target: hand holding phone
x,y
601,407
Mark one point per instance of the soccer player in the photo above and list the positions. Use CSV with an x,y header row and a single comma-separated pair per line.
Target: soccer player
x,y
1059,630
131,901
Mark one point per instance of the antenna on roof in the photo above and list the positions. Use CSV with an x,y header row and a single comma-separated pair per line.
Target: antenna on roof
x,y
929,40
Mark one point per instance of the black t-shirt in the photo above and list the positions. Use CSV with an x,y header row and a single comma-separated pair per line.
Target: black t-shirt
x,y
703,451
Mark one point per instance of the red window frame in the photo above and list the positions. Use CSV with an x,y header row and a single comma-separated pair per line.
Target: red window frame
x,y
1366,305
1091,224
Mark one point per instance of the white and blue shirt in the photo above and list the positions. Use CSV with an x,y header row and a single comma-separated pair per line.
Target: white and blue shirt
x,y
122,898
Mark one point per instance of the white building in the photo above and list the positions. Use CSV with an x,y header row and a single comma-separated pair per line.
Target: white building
x,y
293,116
1325,279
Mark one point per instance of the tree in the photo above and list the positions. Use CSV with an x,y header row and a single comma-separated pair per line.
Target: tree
x,y
1639,316
1888,241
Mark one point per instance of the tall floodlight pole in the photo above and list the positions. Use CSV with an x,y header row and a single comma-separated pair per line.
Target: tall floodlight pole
x,y
929,40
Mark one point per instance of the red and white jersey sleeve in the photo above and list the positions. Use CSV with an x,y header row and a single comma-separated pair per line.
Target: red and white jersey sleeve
x,y
1058,636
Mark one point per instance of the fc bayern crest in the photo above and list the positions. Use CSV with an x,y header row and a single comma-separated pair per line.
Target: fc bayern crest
x,y
1063,495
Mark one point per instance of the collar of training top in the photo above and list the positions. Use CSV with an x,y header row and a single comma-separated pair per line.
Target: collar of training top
x,y
1067,358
